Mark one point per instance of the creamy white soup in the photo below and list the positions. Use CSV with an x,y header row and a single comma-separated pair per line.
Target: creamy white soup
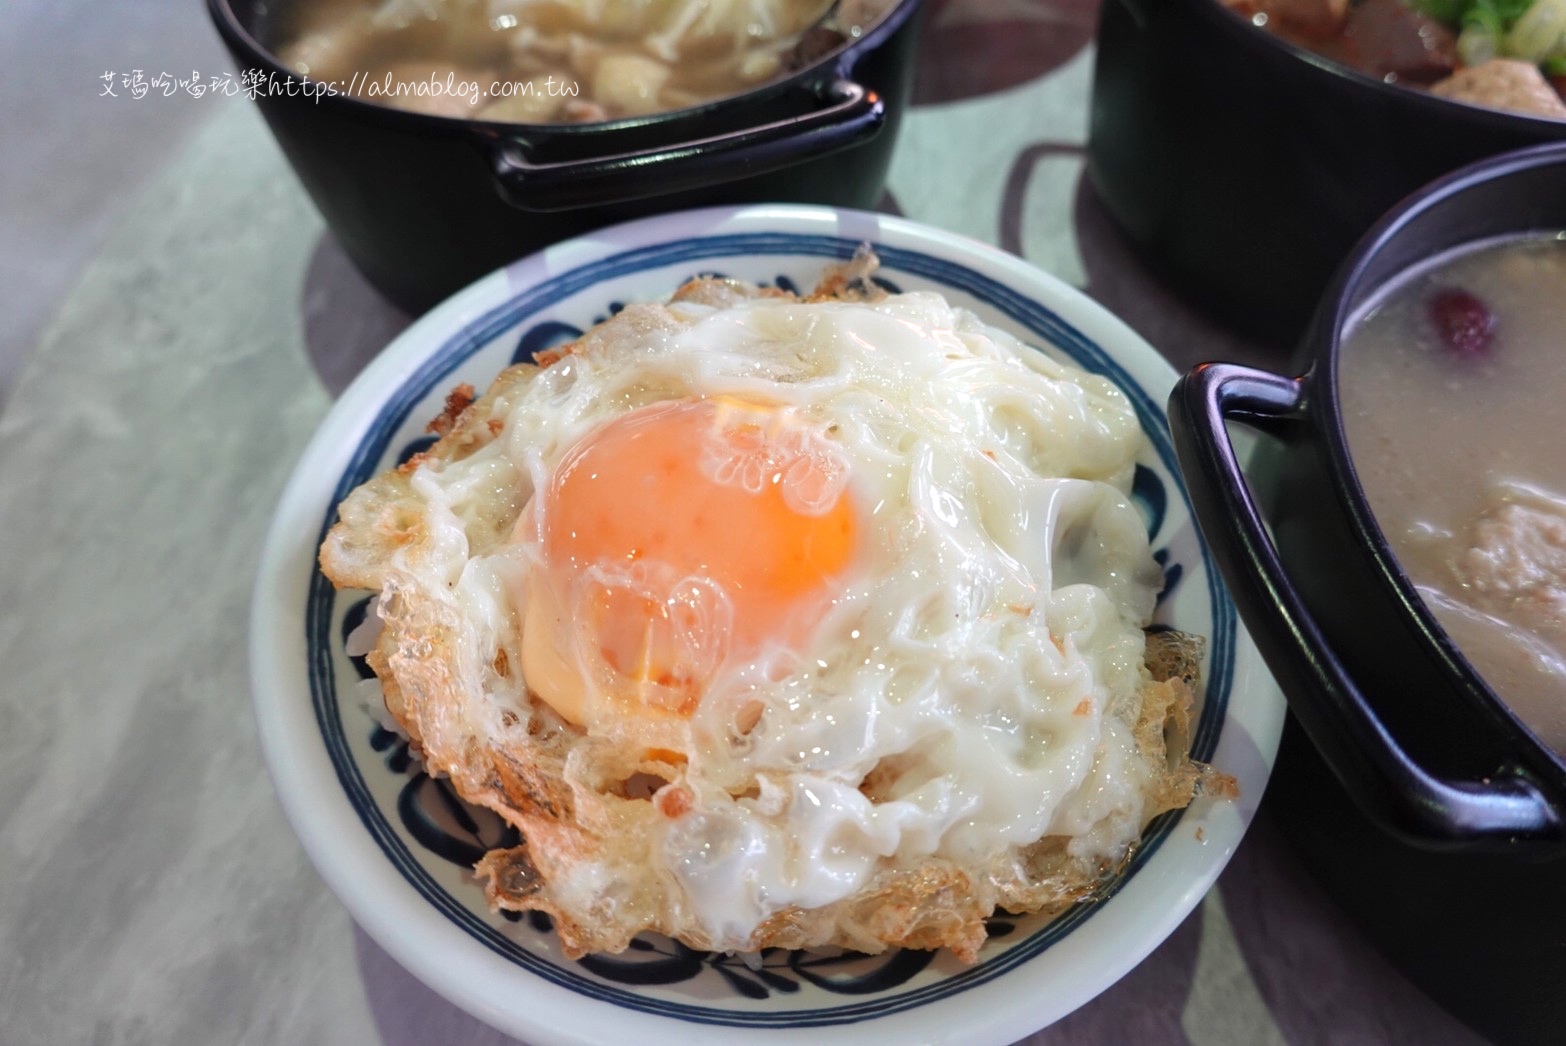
x,y
1453,386
559,61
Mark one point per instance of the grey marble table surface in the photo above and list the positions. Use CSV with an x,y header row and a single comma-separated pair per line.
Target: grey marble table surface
x,y
150,890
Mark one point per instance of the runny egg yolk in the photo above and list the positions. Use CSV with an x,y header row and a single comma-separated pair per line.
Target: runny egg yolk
x,y
676,538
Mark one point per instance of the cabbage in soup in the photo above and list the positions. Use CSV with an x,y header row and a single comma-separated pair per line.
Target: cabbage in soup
x,y
1453,390
555,61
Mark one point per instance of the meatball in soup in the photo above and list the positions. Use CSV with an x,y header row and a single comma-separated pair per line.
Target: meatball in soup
x,y
1453,390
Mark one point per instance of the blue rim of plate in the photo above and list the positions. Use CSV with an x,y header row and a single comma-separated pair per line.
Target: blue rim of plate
x,y
1037,319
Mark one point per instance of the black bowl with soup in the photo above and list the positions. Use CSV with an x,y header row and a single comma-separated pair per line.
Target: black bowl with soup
x,y
1243,166
1408,586
441,139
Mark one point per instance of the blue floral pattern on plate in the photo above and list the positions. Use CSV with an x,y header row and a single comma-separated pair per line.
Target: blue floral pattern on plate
x,y
434,838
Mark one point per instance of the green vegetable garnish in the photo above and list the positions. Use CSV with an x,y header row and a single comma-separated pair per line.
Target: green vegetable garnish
x,y
1495,15
1448,11
1533,30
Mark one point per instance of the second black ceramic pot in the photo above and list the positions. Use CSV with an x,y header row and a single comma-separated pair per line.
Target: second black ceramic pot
x,y
424,205
1244,169
1416,797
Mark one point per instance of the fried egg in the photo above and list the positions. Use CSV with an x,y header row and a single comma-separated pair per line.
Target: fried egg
x,y
780,622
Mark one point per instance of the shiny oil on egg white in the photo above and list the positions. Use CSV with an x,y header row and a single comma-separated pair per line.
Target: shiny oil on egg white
x,y
978,657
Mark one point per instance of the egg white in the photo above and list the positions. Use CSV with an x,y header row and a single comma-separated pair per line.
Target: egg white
x,y
973,687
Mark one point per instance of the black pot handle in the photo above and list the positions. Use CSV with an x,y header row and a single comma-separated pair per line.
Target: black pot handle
x,y
852,114
1502,812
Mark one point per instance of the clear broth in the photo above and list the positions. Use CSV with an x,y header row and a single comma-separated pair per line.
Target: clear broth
x,y
558,61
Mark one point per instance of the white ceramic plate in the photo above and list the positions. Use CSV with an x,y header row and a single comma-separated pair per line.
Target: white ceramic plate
x,y
395,845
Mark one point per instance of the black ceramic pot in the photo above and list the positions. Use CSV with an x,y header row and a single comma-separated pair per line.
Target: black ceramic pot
x,y
425,205
1244,169
1418,799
